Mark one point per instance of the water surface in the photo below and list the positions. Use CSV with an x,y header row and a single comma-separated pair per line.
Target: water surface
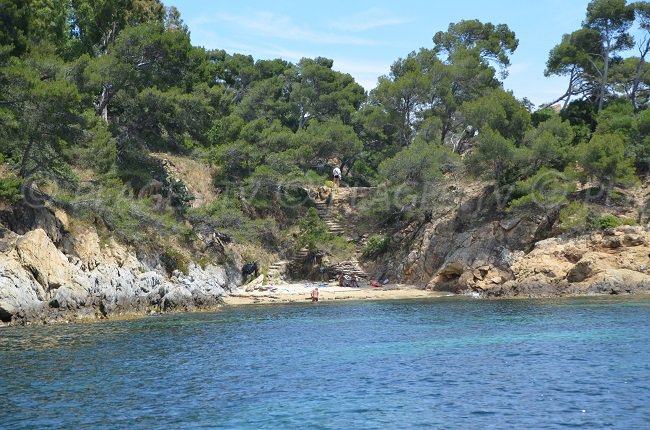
x,y
444,363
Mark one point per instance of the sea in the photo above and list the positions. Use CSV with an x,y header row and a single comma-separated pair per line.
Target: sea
x,y
443,363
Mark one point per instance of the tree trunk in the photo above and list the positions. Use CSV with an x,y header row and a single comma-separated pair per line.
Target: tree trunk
x,y
27,153
102,107
643,50
603,86
303,119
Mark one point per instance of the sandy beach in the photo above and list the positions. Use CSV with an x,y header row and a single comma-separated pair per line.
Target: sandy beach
x,y
300,293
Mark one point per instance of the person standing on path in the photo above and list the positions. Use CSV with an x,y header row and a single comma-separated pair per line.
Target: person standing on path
x,y
337,176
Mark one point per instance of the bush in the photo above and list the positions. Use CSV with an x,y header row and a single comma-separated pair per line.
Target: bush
x,y
315,236
376,244
174,260
545,190
574,217
10,189
611,221
313,231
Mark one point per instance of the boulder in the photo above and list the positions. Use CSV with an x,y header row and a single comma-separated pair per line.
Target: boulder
x,y
466,280
509,223
620,281
630,239
177,298
49,266
582,270
20,294
611,242
87,247
481,272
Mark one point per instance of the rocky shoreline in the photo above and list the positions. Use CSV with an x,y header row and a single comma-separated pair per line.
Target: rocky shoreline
x,y
41,284
48,274
613,261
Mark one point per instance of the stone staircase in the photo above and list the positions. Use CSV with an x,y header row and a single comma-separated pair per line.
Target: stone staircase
x,y
276,271
328,211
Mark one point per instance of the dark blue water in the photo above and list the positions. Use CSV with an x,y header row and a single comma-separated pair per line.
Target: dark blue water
x,y
447,363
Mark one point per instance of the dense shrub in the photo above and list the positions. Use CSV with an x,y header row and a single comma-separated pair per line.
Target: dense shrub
x,y
174,260
10,189
376,245
611,221
574,217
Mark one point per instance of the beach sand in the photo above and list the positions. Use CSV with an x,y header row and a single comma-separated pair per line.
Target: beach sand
x,y
301,293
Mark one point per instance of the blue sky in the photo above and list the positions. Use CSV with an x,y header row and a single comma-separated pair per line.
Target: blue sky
x,y
365,37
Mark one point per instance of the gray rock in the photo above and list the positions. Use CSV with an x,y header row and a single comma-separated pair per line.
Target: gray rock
x,y
509,223
178,298
19,292
581,271
611,242
633,240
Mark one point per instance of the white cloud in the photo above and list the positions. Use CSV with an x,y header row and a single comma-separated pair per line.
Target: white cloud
x,y
268,24
365,73
517,69
369,19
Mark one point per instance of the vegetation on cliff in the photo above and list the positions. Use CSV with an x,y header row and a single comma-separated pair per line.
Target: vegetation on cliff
x,y
93,91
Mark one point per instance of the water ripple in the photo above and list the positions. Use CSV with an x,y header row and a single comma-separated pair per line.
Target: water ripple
x,y
448,363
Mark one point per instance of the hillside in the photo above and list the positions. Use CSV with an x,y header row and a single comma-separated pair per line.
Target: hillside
x,y
139,173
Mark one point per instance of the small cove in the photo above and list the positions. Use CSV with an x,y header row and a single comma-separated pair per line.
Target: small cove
x,y
438,363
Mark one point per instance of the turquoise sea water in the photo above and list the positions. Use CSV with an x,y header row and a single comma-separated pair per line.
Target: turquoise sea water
x,y
445,363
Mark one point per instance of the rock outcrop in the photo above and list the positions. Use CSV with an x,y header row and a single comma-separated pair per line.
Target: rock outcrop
x,y
467,247
459,246
616,261
40,282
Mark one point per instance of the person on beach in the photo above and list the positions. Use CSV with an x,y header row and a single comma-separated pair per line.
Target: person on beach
x,y
337,176
314,295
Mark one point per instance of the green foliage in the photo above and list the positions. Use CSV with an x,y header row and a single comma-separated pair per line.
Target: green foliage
x,y
616,118
587,54
574,217
418,164
14,27
639,146
44,121
376,245
500,111
547,189
550,144
177,192
315,236
99,22
487,41
319,92
10,189
173,259
603,159
96,148
611,221
493,156
542,115
313,232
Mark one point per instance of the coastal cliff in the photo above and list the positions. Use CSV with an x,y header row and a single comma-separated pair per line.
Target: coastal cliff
x,y
85,277
468,247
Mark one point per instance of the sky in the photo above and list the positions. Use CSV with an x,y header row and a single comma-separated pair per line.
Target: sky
x,y
365,37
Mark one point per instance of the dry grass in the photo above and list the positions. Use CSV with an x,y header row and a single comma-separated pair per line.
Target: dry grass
x,y
197,177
